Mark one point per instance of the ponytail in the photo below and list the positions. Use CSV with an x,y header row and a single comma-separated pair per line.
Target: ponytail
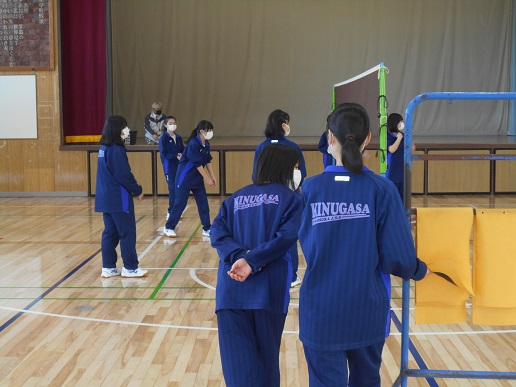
x,y
192,135
351,155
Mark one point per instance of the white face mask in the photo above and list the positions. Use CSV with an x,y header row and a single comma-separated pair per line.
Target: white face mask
x,y
125,133
171,127
402,126
297,178
287,131
330,148
209,135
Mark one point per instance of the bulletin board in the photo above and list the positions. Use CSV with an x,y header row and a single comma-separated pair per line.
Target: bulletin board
x,y
18,107
26,35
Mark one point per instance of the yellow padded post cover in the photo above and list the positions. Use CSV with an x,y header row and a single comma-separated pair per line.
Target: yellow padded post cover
x,y
443,237
494,267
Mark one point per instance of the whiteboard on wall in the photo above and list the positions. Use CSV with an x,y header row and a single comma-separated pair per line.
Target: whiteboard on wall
x,y
18,109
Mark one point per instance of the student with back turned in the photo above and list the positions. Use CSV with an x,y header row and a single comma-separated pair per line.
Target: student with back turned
x,y
277,130
353,229
253,233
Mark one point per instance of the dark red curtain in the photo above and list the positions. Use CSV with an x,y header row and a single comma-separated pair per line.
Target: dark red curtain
x,y
83,69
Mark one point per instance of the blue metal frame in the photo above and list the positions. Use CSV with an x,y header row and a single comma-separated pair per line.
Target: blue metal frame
x,y
405,372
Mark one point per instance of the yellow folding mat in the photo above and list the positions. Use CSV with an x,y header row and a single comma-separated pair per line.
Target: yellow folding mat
x,y
494,267
443,237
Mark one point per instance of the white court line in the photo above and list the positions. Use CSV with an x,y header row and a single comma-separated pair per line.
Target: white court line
x,y
152,244
181,268
196,279
468,305
108,321
216,329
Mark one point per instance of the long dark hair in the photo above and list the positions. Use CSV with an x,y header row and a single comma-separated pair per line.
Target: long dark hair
x,y
202,125
349,123
276,119
276,164
111,134
392,122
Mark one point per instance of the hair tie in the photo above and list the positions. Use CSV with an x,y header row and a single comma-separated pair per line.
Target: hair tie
x,y
350,138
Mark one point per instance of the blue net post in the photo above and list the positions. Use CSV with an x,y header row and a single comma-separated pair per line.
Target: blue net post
x,y
405,372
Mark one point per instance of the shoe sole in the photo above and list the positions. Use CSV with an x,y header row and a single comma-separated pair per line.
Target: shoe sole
x,y
109,276
135,276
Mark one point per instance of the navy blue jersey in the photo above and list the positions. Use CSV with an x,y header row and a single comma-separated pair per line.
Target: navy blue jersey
x,y
260,224
116,184
395,160
194,156
168,151
323,148
283,141
353,228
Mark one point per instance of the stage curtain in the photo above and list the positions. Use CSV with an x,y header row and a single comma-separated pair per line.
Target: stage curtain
x,y
234,61
83,69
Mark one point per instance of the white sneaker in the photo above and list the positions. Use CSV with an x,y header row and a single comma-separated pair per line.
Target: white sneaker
x,y
206,233
134,273
168,232
296,282
106,273
168,215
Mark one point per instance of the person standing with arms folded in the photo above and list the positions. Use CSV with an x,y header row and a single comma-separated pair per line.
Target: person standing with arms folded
x,y
115,188
353,229
276,131
253,233
194,169
171,148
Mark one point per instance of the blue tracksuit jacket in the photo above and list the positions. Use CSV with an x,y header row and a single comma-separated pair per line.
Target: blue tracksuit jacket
x,y
353,228
194,156
168,150
260,224
395,160
116,184
323,148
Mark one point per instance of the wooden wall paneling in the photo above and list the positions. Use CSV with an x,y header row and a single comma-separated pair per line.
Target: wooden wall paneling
x,y
215,164
141,167
38,165
161,181
239,169
371,161
418,174
314,162
93,160
71,171
505,180
47,87
458,175
11,166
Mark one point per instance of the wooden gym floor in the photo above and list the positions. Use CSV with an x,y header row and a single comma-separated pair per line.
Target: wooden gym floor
x,y
62,325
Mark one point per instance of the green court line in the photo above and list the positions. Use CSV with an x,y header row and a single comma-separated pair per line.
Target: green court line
x,y
160,285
